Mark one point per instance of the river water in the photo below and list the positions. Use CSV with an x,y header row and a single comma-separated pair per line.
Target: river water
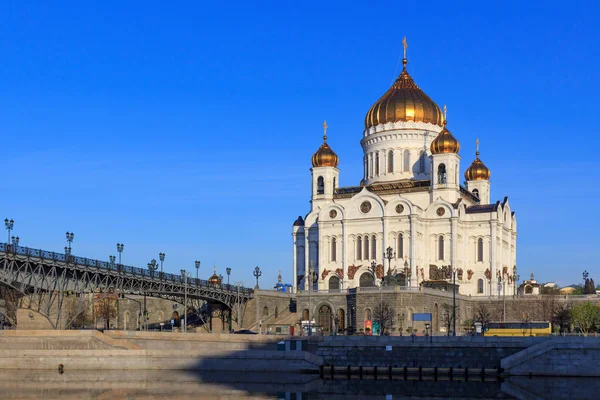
x,y
113,384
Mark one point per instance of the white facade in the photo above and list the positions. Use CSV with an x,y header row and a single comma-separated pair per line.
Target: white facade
x,y
406,202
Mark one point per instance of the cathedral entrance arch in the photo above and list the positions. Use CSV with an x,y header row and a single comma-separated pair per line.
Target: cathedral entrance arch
x,y
334,283
366,280
325,318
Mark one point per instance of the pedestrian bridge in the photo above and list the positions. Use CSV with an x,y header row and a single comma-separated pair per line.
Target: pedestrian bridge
x,y
47,277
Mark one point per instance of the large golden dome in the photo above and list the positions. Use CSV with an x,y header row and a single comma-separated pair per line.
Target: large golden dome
x,y
325,157
444,142
477,171
404,101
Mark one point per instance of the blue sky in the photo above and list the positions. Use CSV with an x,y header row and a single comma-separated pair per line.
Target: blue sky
x,y
188,128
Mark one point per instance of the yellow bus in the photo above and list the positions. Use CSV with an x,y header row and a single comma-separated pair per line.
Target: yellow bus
x,y
518,329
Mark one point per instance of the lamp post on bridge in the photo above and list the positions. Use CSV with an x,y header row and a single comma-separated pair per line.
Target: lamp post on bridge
x,y
70,236
9,227
120,247
197,263
228,270
184,275
161,257
15,241
257,274
112,260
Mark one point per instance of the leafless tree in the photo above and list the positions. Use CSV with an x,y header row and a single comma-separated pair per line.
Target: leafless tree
x,y
106,308
562,317
548,306
482,315
448,317
384,313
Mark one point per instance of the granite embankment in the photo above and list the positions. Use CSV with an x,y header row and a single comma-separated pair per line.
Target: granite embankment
x,y
86,350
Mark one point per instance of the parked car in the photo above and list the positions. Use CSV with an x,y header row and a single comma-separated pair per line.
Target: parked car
x,y
245,332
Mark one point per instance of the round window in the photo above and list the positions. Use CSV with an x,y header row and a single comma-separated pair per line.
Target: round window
x,y
365,207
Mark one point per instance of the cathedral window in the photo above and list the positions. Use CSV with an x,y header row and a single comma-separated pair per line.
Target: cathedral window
x,y
442,173
391,161
406,160
400,251
376,163
422,162
441,248
480,250
371,164
374,247
359,248
334,182
333,250
476,193
479,286
366,247
320,185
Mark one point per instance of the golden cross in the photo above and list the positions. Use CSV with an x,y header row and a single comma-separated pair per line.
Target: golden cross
x,y
215,268
445,112
477,145
325,130
405,44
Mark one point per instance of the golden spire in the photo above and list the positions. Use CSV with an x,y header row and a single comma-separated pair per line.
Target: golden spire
x,y
445,113
215,269
325,130
405,44
476,147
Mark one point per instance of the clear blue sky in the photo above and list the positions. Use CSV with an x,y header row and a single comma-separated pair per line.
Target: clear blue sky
x,y
187,128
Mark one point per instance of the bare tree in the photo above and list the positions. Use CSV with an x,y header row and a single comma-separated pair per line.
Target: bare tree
x,y
482,315
448,317
384,313
106,308
525,319
548,305
562,317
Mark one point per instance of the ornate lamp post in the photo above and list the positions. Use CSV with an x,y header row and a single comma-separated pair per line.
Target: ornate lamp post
x,y
153,266
184,275
389,254
70,236
311,274
112,260
373,267
257,274
228,270
197,264
161,257
221,279
9,227
120,247
15,241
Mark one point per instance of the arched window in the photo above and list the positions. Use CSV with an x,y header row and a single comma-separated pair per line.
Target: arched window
x,y
376,163
359,248
391,161
320,185
479,286
366,280
441,248
422,162
334,283
368,315
371,164
480,249
366,247
442,173
406,160
305,315
374,247
333,250
265,311
476,193
400,251
276,312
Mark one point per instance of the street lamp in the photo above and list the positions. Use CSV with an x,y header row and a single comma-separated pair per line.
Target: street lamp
x,y
197,263
161,257
9,227
373,267
15,241
452,274
228,270
70,236
120,247
257,274
406,274
112,260
585,275
389,254
221,279
184,275
311,274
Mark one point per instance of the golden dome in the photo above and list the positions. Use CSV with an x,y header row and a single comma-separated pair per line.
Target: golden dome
x,y
325,157
404,101
215,279
477,171
444,142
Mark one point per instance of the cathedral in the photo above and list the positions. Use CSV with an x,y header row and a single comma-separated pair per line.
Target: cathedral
x,y
410,218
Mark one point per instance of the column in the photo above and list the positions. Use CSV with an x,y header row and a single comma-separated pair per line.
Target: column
x,y
493,255
295,279
306,257
413,249
454,248
384,246
344,257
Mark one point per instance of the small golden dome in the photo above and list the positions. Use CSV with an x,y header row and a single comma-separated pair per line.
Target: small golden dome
x,y
404,101
444,142
477,171
215,279
325,157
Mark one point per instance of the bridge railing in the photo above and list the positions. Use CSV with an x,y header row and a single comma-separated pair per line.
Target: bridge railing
x,y
135,271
